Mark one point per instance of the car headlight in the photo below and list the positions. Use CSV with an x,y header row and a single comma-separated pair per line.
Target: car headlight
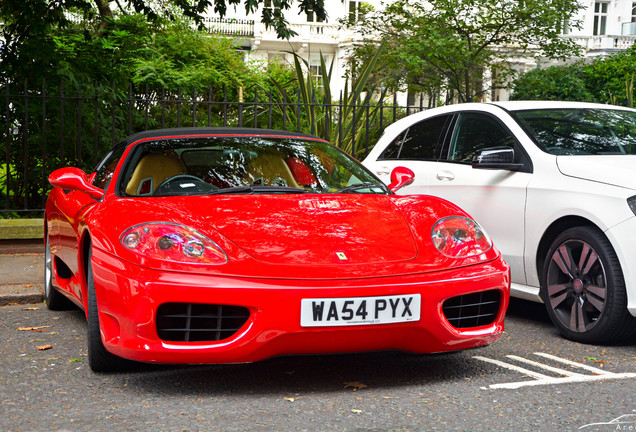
x,y
460,237
631,202
171,242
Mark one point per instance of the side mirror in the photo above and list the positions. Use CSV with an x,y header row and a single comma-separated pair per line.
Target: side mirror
x,y
74,179
400,177
497,158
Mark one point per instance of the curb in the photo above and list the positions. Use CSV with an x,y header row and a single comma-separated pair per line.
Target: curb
x,y
21,294
21,261
21,229
21,278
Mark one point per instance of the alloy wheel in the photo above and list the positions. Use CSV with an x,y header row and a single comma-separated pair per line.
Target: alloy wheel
x,y
576,285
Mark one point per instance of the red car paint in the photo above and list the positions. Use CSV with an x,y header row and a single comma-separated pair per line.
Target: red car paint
x,y
281,248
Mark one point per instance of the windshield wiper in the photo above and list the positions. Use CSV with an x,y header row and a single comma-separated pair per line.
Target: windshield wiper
x,y
359,186
258,189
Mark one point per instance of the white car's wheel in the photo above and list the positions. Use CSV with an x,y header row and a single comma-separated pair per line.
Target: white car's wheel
x,y
584,290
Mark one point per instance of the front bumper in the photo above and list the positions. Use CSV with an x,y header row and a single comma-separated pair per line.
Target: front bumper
x,y
623,240
129,296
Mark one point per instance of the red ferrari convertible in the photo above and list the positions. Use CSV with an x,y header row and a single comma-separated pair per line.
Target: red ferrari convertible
x,y
235,245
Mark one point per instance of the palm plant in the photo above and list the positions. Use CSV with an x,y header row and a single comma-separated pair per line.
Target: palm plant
x,y
344,122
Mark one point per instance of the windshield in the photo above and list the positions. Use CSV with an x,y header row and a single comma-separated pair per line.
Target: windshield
x,y
582,131
243,165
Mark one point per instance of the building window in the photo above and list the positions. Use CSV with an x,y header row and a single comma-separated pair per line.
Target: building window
x,y
564,26
316,72
267,4
355,12
633,12
315,69
311,17
600,18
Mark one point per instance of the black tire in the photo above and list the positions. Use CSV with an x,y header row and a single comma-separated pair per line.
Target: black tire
x,y
584,290
54,299
99,359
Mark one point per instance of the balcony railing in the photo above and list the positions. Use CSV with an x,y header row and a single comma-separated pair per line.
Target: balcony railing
x,y
229,26
313,32
607,42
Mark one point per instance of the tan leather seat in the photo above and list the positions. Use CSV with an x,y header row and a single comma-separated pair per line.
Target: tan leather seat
x,y
268,167
151,170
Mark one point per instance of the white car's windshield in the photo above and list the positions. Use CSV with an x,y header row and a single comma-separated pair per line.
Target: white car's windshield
x,y
581,131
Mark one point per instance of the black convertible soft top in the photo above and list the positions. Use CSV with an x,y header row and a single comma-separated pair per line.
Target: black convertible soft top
x,y
193,131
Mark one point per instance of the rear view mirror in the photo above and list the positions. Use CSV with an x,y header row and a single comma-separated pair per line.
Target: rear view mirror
x,y
400,177
496,158
74,179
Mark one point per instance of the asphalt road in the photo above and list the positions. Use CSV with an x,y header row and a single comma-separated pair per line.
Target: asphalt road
x,y
54,389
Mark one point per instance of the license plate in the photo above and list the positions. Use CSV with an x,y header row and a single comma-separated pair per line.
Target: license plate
x,y
328,312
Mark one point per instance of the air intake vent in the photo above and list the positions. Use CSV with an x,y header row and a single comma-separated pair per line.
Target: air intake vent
x,y
472,310
192,322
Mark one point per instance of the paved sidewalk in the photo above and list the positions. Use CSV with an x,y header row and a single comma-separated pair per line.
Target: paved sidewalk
x,y
21,278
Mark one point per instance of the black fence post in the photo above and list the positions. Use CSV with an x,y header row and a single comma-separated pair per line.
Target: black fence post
x,y
113,136
146,107
340,129
43,133
96,129
353,128
78,141
209,106
25,140
7,141
269,111
179,106
284,110
255,107
194,106
224,105
130,107
312,109
163,106
298,112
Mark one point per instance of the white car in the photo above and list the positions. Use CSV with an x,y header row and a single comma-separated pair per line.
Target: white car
x,y
553,184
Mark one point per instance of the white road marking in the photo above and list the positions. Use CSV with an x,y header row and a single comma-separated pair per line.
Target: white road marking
x,y
541,379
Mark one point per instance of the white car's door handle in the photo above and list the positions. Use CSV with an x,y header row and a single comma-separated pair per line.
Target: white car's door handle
x,y
445,175
383,171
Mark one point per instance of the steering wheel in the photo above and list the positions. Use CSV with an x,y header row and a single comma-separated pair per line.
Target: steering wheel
x,y
165,185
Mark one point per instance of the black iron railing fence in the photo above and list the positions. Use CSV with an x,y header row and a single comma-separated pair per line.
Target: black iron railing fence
x,y
48,126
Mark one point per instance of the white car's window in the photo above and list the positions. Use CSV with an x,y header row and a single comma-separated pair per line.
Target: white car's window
x,y
475,132
422,139
419,142
392,151
581,131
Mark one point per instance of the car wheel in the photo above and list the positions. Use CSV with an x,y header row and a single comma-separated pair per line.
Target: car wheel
x,y
99,359
54,299
584,290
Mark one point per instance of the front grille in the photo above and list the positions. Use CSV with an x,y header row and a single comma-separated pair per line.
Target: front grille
x,y
193,322
472,310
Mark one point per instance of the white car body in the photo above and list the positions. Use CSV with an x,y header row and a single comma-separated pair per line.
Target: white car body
x,y
523,210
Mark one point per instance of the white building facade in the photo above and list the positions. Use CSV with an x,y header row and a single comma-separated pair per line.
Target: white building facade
x,y
608,26
313,36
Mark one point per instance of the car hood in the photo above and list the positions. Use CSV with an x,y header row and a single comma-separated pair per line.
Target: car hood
x,y
314,229
613,170
293,236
